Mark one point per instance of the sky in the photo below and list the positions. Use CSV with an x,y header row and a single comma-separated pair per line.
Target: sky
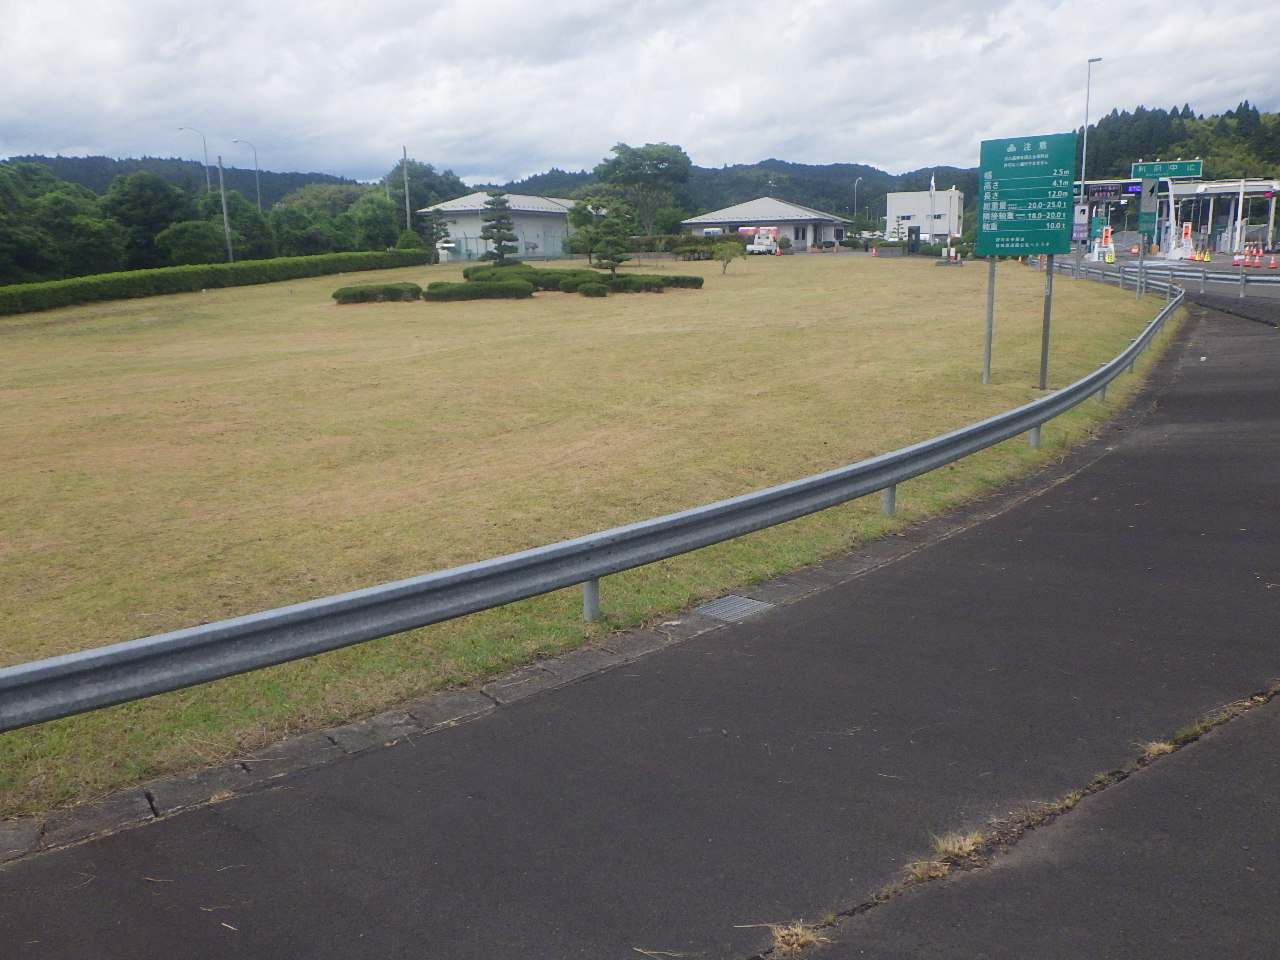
x,y
499,90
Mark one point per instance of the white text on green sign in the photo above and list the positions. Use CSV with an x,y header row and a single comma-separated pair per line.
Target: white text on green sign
x,y
1026,195
1166,168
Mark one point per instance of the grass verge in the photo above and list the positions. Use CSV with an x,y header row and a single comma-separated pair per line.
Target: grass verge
x,y
200,456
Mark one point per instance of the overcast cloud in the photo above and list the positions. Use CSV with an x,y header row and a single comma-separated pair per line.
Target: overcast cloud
x,y
499,90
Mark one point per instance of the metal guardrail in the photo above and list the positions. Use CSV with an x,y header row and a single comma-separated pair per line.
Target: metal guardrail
x,y
62,686
1145,276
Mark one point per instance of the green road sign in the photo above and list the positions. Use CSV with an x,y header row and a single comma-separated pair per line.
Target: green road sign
x,y
1026,205
1166,168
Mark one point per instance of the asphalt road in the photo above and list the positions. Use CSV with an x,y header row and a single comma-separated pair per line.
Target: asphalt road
x,y
788,764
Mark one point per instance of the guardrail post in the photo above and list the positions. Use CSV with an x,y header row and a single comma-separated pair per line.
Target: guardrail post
x,y
1129,368
1034,436
1102,393
889,500
591,601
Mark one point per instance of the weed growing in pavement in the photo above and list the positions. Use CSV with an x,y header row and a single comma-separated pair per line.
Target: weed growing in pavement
x,y
957,846
920,870
793,937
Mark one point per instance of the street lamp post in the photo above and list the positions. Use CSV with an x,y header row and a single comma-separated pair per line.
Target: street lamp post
x,y
208,182
257,184
1084,153
855,195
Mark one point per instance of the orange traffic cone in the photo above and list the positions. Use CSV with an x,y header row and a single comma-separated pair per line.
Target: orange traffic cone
x,y
1272,264
1235,259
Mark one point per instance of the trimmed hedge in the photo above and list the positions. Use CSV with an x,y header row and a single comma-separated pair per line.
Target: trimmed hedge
x,y
635,283
379,293
31,297
651,282
541,277
565,281
479,290
683,281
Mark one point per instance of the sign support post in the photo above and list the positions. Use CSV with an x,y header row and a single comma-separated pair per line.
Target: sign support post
x,y
1027,209
991,313
1048,314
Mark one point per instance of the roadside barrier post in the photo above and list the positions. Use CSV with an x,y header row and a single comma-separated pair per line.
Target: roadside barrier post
x,y
1034,436
591,601
889,500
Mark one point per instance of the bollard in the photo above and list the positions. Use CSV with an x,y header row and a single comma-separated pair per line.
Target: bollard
x,y
889,500
591,601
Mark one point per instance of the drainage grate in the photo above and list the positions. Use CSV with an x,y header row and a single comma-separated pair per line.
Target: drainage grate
x,y
734,608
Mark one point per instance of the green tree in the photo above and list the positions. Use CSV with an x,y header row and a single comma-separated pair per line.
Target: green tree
x,y
373,222
330,199
251,235
426,187
499,229
409,240
726,251
81,240
435,228
668,220
143,204
602,230
193,241
288,225
646,176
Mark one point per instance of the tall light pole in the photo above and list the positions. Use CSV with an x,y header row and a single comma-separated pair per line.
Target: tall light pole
x,y
257,184
855,195
1084,150
208,183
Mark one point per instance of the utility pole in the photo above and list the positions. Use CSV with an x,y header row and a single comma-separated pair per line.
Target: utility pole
x,y
408,218
226,219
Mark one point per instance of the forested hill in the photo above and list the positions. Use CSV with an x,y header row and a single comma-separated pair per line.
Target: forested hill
x,y
96,173
1240,143
827,187
1243,142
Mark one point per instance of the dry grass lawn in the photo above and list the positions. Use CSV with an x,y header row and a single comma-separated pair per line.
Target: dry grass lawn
x,y
194,457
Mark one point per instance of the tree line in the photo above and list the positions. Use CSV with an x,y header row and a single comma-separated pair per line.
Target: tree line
x,y
55,224
51,228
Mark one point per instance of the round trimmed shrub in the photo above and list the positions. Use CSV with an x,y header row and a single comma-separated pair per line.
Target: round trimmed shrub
x,y
593,289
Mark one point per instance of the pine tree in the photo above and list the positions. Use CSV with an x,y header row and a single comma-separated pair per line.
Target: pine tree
x,y
499,229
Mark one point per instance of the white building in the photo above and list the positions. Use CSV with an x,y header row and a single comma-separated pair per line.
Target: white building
x,y
541,223
804,227
936,215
